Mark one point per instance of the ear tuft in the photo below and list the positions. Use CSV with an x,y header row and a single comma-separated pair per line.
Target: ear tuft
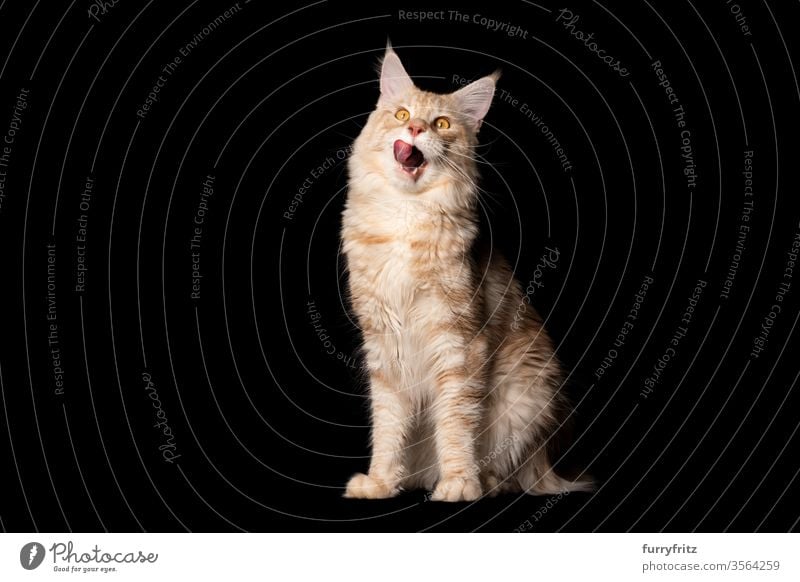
x,y
476,98
394,79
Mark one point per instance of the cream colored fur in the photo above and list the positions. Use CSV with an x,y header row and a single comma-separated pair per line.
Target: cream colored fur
x,y
464,394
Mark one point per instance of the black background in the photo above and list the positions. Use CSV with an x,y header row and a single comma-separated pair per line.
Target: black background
x,y
268,424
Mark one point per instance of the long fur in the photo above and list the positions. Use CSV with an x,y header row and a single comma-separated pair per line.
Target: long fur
x,y
464,384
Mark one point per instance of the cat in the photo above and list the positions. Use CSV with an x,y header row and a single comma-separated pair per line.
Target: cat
x,y
464,384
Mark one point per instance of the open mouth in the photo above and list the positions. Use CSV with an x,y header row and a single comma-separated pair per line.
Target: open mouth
x,y
410,158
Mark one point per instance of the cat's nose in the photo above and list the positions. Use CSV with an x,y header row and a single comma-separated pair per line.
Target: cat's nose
x,y
416,127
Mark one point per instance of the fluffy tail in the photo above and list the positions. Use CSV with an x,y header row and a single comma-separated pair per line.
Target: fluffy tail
x,y
552,484
537,477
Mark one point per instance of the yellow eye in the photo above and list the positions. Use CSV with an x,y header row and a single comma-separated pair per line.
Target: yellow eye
x,y
402,115
442,123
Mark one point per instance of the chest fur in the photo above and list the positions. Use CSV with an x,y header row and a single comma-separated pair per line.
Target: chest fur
x,y
400,259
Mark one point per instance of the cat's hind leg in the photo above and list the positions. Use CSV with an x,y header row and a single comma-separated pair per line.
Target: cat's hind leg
x,y
494,485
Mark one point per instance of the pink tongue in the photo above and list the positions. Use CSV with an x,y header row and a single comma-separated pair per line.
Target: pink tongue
x,y
402,151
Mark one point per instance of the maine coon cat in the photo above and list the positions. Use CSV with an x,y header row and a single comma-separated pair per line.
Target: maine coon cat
x,y
463,381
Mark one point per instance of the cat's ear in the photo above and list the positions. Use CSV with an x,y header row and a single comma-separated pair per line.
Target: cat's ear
x,y
394,79
475,99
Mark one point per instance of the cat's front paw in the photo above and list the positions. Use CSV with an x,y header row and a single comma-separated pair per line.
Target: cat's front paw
x,y
457,489
363,486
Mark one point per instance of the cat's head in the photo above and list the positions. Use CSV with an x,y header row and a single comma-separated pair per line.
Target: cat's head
x,y
417,139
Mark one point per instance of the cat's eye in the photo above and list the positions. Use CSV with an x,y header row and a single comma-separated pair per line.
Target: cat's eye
x,y
442,123
402,114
